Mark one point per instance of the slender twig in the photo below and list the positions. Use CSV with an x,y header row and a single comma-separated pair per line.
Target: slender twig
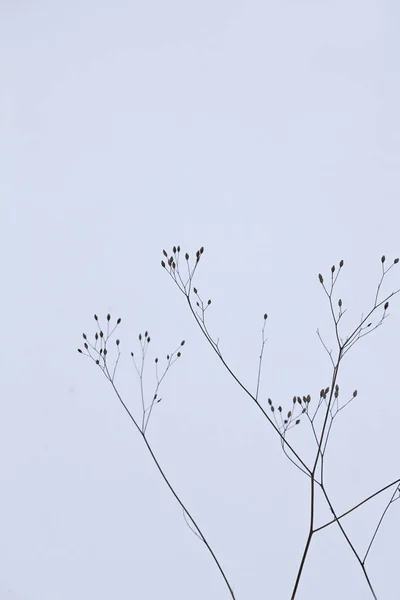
x,y
101,362
379,524
244,388
263,340
386,487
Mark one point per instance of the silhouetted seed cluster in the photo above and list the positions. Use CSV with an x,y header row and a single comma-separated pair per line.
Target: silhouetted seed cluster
x,y
333,269
91,349
146,337
98,352
169,357
335,407
173,259
361,331
323,393
292,418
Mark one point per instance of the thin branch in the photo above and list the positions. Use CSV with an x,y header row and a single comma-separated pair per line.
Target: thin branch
x,y
101,361
261,356
380,523
386,487
361,563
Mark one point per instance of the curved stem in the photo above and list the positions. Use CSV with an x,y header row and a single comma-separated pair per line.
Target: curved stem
x,y
218,353
181,504
379,524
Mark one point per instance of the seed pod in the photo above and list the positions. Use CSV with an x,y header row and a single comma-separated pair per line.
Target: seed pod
x,y
332,268
386,305
265,316
355,393
341,263
163,264
383,259
321,279
187,256
396,260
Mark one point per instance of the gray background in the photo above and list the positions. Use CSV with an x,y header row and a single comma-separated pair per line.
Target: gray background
x,y
269,133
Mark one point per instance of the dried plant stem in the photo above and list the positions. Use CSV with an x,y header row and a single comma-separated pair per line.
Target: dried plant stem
x,y
386,487
245,389
329,397
379,524
171,488
308,541
100,357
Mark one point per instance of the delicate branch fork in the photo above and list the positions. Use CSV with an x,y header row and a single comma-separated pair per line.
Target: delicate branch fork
x,y
328,405
99,352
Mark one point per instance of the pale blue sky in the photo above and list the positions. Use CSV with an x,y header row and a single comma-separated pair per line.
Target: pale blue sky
x,y
268,132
